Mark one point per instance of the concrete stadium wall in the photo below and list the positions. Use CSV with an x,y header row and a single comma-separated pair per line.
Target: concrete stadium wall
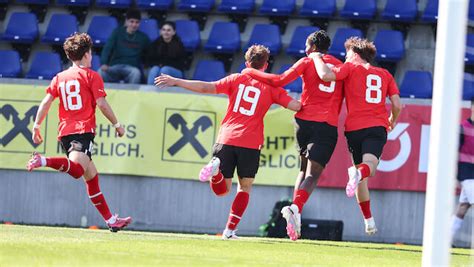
x,y
161,204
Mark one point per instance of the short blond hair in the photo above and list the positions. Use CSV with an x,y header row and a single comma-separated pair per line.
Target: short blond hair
x,y
257,56
363,47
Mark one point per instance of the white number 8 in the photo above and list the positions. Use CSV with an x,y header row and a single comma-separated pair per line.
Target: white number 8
x,y
68,95
244,94
373,88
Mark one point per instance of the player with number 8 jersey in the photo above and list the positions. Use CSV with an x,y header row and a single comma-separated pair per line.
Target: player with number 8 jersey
x,y
79,90
365,90
241,133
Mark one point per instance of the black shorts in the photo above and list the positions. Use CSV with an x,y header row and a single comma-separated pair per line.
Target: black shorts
x,y
366,141
315,140
246,160
78,142
465,171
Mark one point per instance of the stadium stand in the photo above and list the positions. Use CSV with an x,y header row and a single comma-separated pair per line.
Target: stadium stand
x,y
154,4
209,70
468,90
400,10
267,35
42,59
322,8
22,28
359,9
390,45
430,14
150,27
337,47
188,31
298,40
237,6
224,38
113,3
417,84
11,64
100,29
469,57
59,28
95,62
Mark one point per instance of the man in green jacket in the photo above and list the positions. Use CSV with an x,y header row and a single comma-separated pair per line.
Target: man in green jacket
x,y
121,58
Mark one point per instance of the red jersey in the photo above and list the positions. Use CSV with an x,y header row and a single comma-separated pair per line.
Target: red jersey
x,y
365,89
321,101
77,89
249,101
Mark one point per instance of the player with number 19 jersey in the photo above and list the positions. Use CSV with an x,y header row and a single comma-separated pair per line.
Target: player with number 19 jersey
x,y
249,101
365,91
77,89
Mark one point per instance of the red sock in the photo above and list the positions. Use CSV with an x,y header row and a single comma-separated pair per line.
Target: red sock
x,y
364,170
239,205
365,208
63,164
218,184
97,198
300,198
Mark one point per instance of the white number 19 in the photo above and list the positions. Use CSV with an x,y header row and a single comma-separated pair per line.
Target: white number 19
x,y
244,94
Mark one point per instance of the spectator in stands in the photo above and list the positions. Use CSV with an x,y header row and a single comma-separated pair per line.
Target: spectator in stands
x,y
166,54
465,171
121,57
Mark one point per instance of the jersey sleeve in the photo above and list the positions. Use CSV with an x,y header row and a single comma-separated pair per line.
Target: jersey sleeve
x,y
97,86
281,97
224,85
53,87
342,71
392,86
275,80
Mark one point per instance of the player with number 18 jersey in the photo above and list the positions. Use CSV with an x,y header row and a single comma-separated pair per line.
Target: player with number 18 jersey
x,y
77,89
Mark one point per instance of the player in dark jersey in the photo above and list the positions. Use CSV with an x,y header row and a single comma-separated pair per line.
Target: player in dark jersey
x,y
79,90
241,133
365,90
315,124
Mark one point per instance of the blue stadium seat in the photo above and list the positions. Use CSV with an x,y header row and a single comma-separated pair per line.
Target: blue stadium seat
x,y
44,66
241,67
297,45
277,8
430,14
21,28
100,29
155,4
74,2
33,2
267,35
318,8
337,48
95,62
188,31
11,64
417,84
359,9
113,3
296,85
471,10
237,6
390,45
468,88
400,10
224,38
150,27
60,27
196,5
469,56
209,70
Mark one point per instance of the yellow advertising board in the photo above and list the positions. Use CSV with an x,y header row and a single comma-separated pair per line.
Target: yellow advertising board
x,y
168,134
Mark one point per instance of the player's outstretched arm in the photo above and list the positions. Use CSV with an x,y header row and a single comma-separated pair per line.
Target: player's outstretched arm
x,y
272,79
106,109
294,105
196,86
40,115
324,72
396,110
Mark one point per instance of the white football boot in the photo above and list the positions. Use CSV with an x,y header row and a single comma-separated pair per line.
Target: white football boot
x,y
293,221
229,234
210,170
370,227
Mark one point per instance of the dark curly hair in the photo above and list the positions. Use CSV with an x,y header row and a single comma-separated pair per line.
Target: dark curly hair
x,y
77,45
320,39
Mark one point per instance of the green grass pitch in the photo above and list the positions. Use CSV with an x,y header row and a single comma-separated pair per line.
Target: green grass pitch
x,y
55,246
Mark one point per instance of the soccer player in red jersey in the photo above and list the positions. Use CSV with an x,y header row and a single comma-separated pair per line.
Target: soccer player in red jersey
x,y
241,133
79,90
315,123
365,89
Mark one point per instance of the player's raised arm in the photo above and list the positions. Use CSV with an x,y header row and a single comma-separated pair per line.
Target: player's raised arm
x,y
324,72
272,79
196,86
106,109
40,115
